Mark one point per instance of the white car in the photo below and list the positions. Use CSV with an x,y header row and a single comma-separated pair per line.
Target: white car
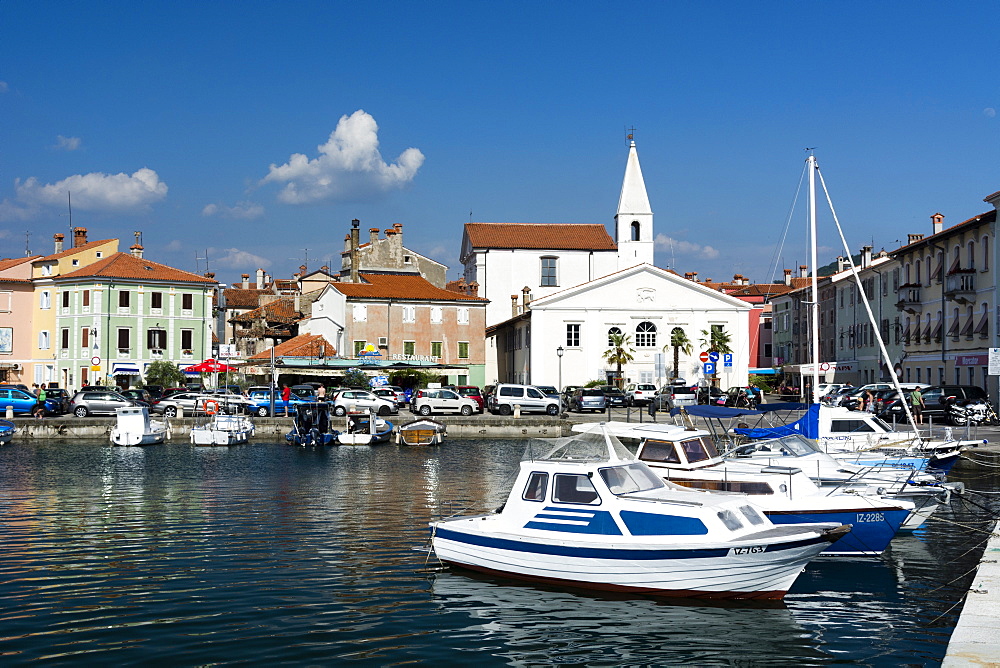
x,y
638,394
440,401
362,401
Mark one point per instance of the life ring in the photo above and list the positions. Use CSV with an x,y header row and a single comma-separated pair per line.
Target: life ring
x,y
211,406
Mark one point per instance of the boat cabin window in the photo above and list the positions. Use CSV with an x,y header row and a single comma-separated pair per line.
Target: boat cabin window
x,y
699,449
535,489
631,478
659,451
751,514
850,426
574,488
730,519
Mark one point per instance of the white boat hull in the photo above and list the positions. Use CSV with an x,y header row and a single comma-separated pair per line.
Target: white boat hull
x,y
122,437
640,566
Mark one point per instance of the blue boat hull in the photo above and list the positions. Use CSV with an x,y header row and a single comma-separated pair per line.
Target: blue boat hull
x,y
871,531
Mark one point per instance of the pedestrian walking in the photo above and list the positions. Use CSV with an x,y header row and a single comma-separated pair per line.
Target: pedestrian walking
x,y
917,405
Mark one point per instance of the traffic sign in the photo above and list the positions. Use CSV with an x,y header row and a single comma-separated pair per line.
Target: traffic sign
x,y
703,357
95,360
709,368
713,356
727,359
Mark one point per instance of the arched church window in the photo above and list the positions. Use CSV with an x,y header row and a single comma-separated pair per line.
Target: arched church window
x,y
645,335
614,331
635,230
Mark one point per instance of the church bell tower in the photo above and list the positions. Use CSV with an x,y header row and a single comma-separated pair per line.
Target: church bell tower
x,y
634,220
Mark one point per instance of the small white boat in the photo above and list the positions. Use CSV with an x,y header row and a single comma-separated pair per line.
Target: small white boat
x,y
421,432
223,430
585,513
135,428
364,429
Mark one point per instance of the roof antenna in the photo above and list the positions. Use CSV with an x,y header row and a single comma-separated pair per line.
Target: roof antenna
x,y
27,242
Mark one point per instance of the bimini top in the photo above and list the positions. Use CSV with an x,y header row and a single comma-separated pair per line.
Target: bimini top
x,y
598,445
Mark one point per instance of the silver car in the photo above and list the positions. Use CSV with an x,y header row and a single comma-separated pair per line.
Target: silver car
x,y
362,400
98,402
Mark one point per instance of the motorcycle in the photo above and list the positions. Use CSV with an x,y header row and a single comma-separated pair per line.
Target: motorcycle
x,y
970,412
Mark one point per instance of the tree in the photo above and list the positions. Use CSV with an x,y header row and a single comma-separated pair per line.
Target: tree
x,y
355,378
716,340
681,344
165,374
619,353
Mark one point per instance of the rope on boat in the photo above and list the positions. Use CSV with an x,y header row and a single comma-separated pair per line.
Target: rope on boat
x,y
980,462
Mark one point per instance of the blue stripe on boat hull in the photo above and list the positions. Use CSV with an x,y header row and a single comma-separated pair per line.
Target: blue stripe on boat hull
x,y
870,533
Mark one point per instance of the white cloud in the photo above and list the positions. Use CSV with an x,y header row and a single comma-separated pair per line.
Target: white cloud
x,y
989,112
349,166
235,258
174,245
67,143
4,87
119,193
664,242
242,210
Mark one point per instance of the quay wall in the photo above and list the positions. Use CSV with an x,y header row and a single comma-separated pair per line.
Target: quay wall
x,y
95,428
975,641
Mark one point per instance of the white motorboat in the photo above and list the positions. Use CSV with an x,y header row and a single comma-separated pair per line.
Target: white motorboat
x,y
786,495
927,491
135,428
223,430
583,512
364,429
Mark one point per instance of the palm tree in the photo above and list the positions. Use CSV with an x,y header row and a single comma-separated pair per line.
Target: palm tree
x,y
716,340
619,353
681,344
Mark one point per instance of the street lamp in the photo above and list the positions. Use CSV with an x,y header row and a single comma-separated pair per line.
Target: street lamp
x,y
559,354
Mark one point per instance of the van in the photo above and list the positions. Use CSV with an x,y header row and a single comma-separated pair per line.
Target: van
x,y
531,399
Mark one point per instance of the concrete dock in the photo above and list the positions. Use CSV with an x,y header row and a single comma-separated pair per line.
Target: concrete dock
x,y
976,638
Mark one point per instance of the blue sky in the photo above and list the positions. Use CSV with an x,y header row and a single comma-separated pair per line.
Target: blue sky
x,y
253,131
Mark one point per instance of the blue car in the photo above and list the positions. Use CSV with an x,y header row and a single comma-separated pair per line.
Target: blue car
x,y
260,403
24,402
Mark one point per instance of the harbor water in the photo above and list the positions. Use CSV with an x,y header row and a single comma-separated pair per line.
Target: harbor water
x,y
277,554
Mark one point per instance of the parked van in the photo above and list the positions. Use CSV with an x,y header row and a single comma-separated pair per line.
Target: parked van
x,y
505,396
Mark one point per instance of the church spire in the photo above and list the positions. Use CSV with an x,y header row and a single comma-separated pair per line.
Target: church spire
x,y
634,220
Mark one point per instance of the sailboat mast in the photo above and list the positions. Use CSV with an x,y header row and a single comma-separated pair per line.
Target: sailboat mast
x,y
814,305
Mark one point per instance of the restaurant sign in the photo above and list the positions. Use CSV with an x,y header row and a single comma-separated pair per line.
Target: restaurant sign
x,y
977,359
403,357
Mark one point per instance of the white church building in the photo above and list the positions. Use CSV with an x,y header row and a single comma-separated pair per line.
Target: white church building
x,y
567,287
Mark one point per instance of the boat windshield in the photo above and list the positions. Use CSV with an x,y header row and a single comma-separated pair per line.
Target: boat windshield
x,y
593,446
699,449
794,445
630,478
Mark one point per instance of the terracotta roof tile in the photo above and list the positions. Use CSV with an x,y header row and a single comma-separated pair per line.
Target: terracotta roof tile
x,y
244,297
125,265
555,236
281,310
303,345
400,286
13,262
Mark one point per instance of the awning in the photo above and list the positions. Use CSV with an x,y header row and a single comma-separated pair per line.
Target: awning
x,y
763,372
125,369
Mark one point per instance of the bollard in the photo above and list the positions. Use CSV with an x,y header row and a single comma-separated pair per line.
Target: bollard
x,y
10,413
180,411
517,410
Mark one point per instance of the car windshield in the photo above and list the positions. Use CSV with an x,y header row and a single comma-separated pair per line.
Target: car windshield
x,y
547,389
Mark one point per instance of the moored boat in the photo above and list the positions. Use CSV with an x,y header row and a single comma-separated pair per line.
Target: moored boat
x,y
134,427
365,429
223,430
7,430
312,425
421,432
585,513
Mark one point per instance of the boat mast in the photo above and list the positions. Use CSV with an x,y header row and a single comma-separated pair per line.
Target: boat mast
x,y
814,306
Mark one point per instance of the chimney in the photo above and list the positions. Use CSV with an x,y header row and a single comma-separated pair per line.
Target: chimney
x,y
208,274
302,270
866,257
913,238
58,238
297,303
373,235
694,276
474,289
803,271
246,280
788,277
267,279
325,269
513,305
937,222
260,279
136,250
79,236
840,263
355,242
525,297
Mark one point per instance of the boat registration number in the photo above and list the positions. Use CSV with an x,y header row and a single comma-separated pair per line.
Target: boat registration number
x,y
870,517
753,549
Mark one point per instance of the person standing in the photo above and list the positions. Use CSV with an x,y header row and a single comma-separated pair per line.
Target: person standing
x,y
917,405
286,395
321,393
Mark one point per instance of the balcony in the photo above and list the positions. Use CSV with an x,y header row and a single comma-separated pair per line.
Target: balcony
x,y
909,298
124,353
960,286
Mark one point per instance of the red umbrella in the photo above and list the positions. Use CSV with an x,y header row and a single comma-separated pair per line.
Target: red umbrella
x,y
210,366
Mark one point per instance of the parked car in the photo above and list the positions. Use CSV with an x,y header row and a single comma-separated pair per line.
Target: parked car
x,y
588,399
428,401
398,392
259,403
386,393
567,394
98,402
712,395
528,397
638,394
24,402
474,393
59,400
193,403
550,391
15,386
155,391
304,392
362,400
173,390
680,394
613,396
936,401
141,397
